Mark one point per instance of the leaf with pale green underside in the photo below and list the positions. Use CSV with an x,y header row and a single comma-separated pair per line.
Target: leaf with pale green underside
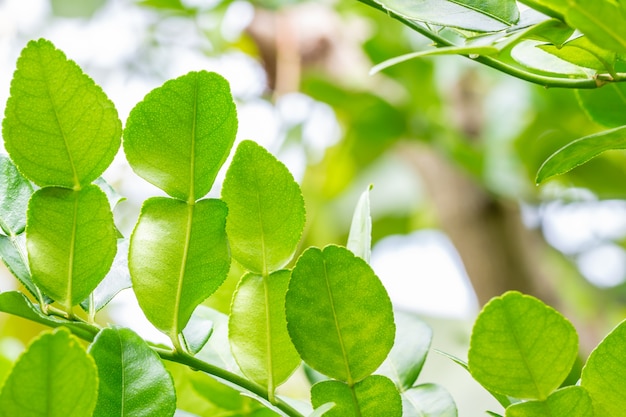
x,y
265,210
360,237
428,400
475,15
179,136
217,349
54,377
258,329
16,261
374,396
353,330
59,126
567,402
198,329
604,374
601,21
580,151
15,191
178,257
605,105
582,52
520,347
406,359
133,380
16,303
71,241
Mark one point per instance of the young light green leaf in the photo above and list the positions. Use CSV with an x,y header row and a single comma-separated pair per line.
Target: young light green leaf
x,y
76,131
353,330
428,400
407,357
258,329
179,136
580,151
582,52
16,303
520,347
573,401
13,257
265,210
605,105
54,377
360,237
604,373
133,380
374,396
321,410
178,257
71,241
553,8
474,15
15,191
198,330
601,21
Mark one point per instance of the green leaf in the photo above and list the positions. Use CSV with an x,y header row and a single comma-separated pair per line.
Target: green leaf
x,y
571,401
602,21
179,136
217,393
475,15
604,373
198,330
258,329
70,239
178,257
407,357
13,253
133,380
428,400
582,52
217,350
553,8
59,127
321,410
580,151
265,210
374,396
605,105
353,330
360,237
15,191
54,377
16,303
520,347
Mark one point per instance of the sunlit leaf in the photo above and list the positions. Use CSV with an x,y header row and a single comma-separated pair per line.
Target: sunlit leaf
x,y
554,8
602,21
71,241
360,237
198,329
428,400
13,254
353,330
582,52
580,151
521,347
133,380
567,402
179,136
265,210
76,131
15,190
54,377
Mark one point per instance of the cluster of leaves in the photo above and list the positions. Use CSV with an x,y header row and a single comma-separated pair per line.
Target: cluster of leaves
x,y
329,311
556,43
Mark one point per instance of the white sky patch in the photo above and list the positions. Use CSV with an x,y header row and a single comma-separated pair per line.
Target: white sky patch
x,y
604,266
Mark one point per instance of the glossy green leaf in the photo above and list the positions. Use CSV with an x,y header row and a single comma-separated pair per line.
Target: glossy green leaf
x,y
116,280
580,151
407,357
133,380
604,374
605,105
16,303
198,330
71,241
179,136
54,377
258,329
602,21
582,52
554,8
374,396
475,15
265,210
15,191
13,254
360,237
76,131
178,257
428,400
354,329
571,401
520,347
